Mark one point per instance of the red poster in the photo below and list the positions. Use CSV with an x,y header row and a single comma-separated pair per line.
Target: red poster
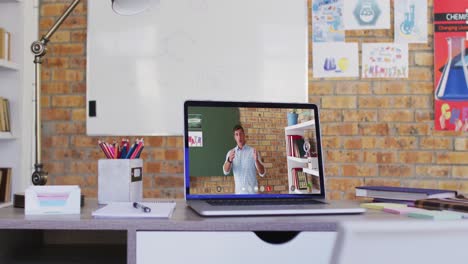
x,y
451,65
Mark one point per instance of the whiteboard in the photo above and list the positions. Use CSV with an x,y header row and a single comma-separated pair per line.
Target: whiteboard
x,y
141,68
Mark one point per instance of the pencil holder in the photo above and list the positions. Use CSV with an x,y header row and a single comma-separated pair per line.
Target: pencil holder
x,y
120,180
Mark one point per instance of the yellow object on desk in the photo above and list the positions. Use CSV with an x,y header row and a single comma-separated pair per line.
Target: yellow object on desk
x,y
381,206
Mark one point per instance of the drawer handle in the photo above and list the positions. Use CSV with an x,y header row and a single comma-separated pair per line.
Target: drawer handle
x,y
276,237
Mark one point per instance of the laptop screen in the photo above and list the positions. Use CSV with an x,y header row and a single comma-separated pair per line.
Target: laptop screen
x,y
254,150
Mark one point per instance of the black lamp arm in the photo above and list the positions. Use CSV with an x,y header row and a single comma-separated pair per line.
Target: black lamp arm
x,y
39,49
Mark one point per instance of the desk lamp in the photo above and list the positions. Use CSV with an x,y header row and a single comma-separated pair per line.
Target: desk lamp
x,y
39,49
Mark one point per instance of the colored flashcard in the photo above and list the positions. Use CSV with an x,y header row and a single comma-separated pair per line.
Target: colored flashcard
x,y
367,14
327,21
384,60
335,60
410,21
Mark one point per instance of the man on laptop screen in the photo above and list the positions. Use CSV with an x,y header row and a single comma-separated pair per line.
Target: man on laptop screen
x,y
248,153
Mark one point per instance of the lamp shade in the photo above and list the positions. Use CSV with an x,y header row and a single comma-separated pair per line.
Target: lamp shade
x,y
130,7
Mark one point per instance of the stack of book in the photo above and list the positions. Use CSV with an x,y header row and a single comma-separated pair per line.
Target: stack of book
x,y
5,44
5,185
458,203
4,115
402,194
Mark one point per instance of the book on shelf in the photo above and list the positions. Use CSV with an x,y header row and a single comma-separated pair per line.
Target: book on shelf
x,y
296,146
402,193
4,114
5,185
458,203
5,44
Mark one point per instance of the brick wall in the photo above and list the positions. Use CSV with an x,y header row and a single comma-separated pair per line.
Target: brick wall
x,y
375,131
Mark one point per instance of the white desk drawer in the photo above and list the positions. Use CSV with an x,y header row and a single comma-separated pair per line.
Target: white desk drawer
x,y
230,247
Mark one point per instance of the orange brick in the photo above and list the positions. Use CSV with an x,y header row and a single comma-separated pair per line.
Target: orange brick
x,y
55,114
61,153
334,195
343,156
339,101
396,115
395,170
343,129
54,167
423,115
67,49
84,167
360,170
330,142
52,62
422,101
169,181
390,87
331,115
382,181
435,143
420,74
70,128
332,169
413,129
68,101
78,36
421,87
152,167
461,144
174,142
78,88
50,141
374,102
352,143
452,158
343,184
396,143
79,114
379,157
321,88
360,115
84,141
421,184
379,129
353,87
55,88
69,180
174,154
432,171
56,9
424,58
460,171
449,185
415,157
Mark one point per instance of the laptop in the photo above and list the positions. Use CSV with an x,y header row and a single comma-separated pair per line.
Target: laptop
x,y
251,158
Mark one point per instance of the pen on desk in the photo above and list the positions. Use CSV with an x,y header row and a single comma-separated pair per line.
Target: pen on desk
x,y
146,209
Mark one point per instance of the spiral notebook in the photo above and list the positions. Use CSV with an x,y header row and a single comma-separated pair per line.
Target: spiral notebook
x,y
126,210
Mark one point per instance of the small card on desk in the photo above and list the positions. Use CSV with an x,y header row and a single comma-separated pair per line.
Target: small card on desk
x,y
52,199
127,210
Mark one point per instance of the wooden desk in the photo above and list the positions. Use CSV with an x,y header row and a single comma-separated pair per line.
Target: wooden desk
x,y
80,237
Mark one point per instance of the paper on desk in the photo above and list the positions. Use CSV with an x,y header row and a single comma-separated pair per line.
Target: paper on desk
x,y
126,210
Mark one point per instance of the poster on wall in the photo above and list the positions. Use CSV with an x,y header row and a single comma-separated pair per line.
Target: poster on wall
x,y
327,21
410,21
366,14
450,65
384,60
335,60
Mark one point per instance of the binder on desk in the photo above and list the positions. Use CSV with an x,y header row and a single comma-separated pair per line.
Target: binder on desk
x,y
127,210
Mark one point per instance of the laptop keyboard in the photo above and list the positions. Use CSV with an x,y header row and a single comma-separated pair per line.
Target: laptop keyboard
x,y
263,202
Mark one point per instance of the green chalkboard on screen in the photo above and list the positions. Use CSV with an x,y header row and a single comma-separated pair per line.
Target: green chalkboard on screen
x,y
216,127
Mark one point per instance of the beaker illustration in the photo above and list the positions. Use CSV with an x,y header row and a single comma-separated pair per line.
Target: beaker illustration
x,y
453,84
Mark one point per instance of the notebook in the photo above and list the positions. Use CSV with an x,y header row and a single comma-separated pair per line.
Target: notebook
x,y
248,158
127,210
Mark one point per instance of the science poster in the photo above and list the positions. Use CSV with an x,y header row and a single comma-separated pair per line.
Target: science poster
x,y
410,21
335,60
450,65
384,60
366,14
327,21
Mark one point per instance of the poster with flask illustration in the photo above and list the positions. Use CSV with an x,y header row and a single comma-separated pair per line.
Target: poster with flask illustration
x,y
335,60
410,21
450,65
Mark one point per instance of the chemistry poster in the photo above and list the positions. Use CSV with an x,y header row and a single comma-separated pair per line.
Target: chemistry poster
x,y
410,21
384,60
450,65
327,21
335,59
367,14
